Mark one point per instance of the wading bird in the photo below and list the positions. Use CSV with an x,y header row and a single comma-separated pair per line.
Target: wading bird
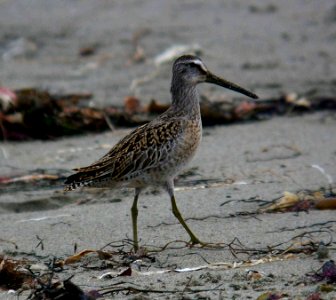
x,y
153,154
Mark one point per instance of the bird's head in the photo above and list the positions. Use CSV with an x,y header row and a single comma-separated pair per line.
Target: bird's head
x,y
190,69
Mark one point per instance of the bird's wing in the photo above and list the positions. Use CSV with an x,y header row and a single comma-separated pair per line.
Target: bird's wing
x,y
146,146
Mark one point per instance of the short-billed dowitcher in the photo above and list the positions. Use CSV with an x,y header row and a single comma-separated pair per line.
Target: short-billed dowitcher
x,y
153,154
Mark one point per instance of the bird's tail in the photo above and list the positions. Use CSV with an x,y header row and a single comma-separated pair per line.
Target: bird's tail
x,y
74,182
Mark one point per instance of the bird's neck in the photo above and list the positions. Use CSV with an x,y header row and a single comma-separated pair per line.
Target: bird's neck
x,y
185,99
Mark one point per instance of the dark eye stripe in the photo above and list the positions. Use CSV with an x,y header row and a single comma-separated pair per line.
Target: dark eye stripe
x,y
198,66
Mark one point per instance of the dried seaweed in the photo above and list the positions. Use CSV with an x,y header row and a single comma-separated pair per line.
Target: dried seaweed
x,y
12,276
44,282
62,290
302,201
37,114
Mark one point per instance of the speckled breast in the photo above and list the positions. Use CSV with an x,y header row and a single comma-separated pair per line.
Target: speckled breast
x,y
183,150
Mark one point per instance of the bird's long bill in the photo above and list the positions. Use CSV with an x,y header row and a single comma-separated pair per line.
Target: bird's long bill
x,y
211,78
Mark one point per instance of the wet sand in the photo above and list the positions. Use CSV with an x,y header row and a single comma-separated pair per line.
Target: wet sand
x,y
278,47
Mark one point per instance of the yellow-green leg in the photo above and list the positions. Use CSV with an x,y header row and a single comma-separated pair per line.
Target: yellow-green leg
x,y
193,239
134,211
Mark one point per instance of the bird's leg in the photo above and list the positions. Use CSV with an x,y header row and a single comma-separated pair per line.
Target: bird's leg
x,y
134,211
193,239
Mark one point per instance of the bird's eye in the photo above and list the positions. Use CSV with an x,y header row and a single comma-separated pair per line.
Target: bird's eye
x,y
190,66
196,66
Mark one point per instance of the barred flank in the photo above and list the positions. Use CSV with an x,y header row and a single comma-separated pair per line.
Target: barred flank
x,y
73,182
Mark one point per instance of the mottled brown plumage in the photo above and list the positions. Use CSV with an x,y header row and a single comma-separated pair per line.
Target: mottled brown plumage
x,y
146,149
153,154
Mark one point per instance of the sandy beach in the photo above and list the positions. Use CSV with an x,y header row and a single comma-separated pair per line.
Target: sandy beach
x,y
270,47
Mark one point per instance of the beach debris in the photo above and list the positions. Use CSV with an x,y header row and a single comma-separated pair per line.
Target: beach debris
x,y
40,243
130,288
263,9
296,100
44,282
37,114
326,203
143,79
218,112
33,179
86,51
301,201
314,296
132,105
327,272
253,275
115,258
63,290
12,275
288,200
120,259
175,51
322,251
126,272
324,173
78,256
19,275
9,242
224,110
138,54
166,56
271,296
327,288
43,218
7,99
109,275
28,178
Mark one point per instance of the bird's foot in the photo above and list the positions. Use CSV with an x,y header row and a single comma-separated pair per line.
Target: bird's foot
x,y
196,241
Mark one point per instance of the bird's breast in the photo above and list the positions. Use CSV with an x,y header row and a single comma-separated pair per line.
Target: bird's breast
x,y
187,144
191,137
